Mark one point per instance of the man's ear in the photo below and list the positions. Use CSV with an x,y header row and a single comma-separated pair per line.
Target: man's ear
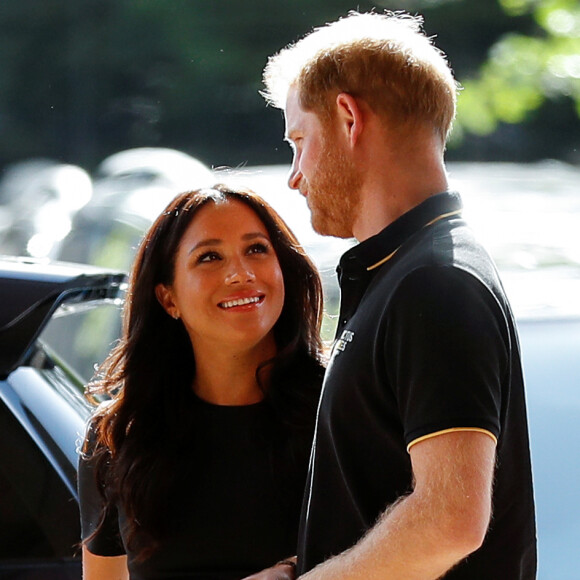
x,y
164,296
350,117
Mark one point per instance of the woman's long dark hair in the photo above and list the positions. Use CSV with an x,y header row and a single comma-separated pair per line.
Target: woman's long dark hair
x,y
148,375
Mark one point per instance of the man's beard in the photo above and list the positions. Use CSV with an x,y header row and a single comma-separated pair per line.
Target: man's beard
x,y
334,193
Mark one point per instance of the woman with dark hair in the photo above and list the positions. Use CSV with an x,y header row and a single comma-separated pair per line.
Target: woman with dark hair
x,y
195,465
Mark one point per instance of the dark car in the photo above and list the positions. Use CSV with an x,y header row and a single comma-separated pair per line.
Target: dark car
x,y
43,367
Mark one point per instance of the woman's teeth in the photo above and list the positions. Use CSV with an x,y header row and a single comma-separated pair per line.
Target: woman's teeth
x,y
239,302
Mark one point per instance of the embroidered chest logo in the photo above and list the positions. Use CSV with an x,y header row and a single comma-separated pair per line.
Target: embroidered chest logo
x,y
346,337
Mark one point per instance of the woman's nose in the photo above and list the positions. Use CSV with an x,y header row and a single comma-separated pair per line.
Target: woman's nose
x,y
240,274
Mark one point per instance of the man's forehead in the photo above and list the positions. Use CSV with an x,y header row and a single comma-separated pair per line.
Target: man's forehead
x,y
292,101
292,110
296,118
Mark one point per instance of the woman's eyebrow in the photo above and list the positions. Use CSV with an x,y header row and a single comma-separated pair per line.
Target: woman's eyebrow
x,y
218,242
204,243
253,235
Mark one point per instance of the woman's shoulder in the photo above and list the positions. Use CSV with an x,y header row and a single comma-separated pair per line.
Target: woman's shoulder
x,y
92,426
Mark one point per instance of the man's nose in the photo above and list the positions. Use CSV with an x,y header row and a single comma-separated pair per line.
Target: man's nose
x,y
295,176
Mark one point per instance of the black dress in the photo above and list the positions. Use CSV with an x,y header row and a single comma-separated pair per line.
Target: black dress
x,y
235,509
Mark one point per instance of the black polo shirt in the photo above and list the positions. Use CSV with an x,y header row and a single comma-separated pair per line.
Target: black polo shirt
x,y
426,343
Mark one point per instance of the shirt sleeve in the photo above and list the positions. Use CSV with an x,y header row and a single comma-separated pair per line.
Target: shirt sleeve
x,y
448,340
107,541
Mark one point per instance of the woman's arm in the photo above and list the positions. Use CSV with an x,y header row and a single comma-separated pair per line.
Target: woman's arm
x,y
100,567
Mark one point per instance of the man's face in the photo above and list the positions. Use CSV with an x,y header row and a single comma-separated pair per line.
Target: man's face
x,y
322,170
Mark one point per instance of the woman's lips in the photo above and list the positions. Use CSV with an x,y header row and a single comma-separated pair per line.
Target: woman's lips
x,y
240,302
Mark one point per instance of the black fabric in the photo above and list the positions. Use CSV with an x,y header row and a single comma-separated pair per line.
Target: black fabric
x,y
426,342
234,511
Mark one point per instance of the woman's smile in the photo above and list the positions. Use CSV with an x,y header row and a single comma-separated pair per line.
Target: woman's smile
x,y
238,302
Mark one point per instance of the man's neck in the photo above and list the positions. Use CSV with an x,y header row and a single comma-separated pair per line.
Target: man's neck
x,y
379,209
397,182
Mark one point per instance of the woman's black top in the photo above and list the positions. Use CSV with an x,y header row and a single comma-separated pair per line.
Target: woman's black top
x,y
235,508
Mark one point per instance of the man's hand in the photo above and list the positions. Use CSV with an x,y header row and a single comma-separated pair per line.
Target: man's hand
x,y
285,570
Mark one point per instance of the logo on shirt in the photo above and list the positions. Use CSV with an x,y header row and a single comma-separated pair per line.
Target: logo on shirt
x,y
342,342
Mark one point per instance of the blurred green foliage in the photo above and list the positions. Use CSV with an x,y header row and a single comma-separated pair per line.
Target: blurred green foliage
x,y
81,79
524,71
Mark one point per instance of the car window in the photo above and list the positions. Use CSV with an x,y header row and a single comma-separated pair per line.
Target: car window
x,y
79,337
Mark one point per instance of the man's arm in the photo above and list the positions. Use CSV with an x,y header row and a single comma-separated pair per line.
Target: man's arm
x,y
439,523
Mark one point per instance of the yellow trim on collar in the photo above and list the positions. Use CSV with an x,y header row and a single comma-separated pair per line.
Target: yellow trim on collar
x,y
439,217
381,262
443,216
452,430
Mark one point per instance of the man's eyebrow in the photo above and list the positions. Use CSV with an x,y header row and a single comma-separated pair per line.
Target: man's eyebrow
x,y
290,133
290,140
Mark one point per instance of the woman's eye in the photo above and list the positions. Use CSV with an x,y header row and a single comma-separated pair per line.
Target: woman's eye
x,y
258,249
208,257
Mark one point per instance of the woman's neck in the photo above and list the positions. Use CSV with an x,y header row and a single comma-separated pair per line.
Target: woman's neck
x,y
228,377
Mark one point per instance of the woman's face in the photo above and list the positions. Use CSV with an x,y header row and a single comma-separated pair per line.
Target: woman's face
x,y
228,287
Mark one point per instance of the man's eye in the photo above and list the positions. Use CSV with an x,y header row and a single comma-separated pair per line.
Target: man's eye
x,y
208,257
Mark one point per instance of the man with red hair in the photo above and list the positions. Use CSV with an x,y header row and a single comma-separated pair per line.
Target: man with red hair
x,y
420,466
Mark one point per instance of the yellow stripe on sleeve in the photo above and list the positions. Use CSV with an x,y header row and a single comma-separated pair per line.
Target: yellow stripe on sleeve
x,y
453,430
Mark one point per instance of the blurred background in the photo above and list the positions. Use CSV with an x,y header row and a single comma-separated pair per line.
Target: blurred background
x,y
81,79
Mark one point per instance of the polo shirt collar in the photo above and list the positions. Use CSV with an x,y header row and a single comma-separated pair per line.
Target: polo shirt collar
x,y
369,254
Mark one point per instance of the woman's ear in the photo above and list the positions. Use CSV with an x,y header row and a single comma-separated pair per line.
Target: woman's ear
x,y
350,117
164,296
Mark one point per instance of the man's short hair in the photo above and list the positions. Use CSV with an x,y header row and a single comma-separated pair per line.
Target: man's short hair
x,y
385,59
